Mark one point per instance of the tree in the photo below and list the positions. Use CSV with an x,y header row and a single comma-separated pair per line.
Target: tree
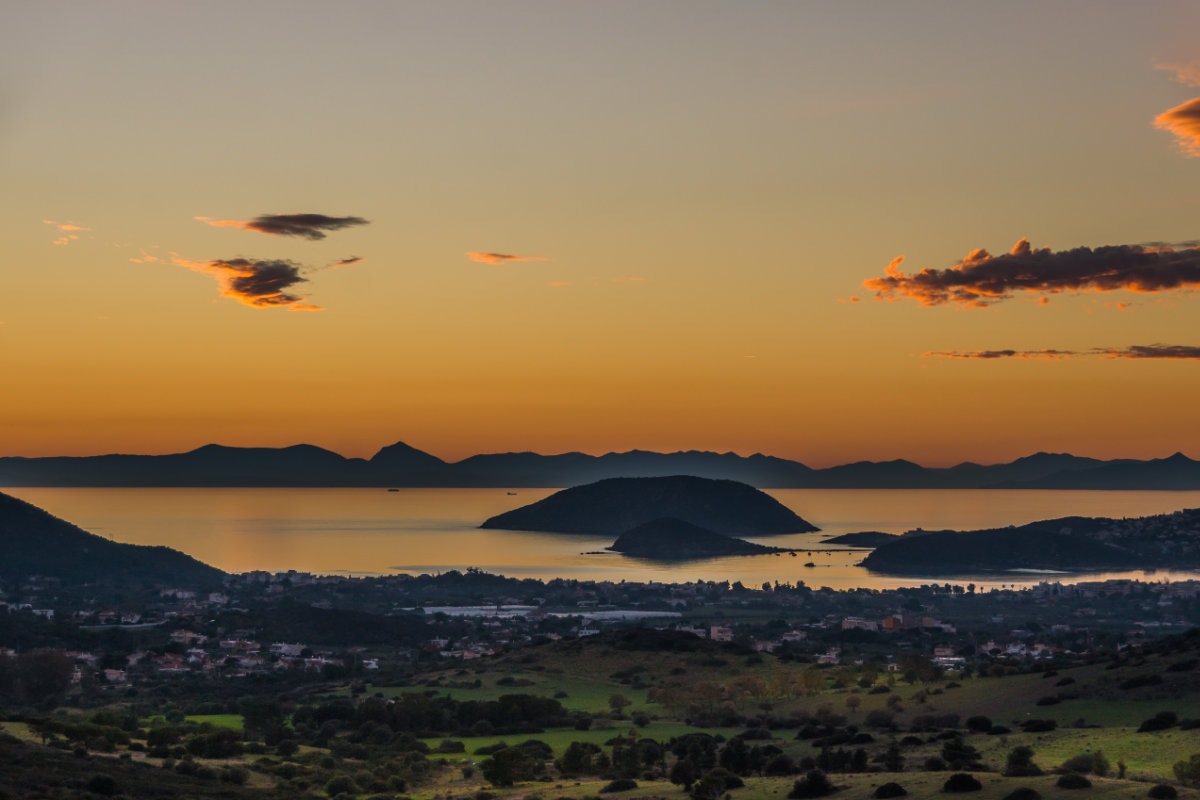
x,y
507,766
960,755
853,701
618,702
814,784
1020,763
1188,772
893,761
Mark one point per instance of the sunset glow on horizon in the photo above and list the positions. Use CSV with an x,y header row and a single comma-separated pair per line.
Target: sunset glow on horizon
x,y
775,227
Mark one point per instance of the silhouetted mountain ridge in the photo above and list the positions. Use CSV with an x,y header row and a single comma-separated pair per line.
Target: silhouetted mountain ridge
x,y
402,465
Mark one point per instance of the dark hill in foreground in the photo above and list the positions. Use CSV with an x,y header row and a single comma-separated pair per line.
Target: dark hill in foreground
x,y
611,507
671,539
34,542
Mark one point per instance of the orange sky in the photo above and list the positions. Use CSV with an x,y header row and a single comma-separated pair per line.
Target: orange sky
x,y
547,226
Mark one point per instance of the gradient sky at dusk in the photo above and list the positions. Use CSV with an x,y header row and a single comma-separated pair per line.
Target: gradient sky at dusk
x,y
599,226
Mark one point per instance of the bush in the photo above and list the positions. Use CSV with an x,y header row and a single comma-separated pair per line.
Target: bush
x,y
1073,780
619,785
979,724
935,764
1048,701
1162,791
1020,763
1085,763
814,784
339,784
1140,681
1159,722
890,789
961,782
1023,793
1038,725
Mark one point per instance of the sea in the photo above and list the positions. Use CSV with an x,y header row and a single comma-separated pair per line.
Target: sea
x,y
388,532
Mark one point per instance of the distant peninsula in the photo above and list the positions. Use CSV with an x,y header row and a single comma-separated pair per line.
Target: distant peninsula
x,y
1067,544
861,539
616,505
672,539
400,465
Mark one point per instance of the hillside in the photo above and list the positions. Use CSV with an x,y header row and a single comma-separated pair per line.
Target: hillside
x,y
37,543
611,507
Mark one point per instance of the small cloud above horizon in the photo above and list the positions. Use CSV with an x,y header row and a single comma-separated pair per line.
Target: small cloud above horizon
x,y
1187,72
258,284
69,229
981,280
1169,352
501,258
346,262
305,226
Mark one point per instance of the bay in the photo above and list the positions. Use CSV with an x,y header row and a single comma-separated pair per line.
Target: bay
x,y
378,532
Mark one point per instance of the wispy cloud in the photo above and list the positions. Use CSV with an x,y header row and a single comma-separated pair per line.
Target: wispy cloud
x,y
981,279
145,258
1175,352
69,230
501,258
1184,122
345,262
1187,73
259,284
628,279
306,226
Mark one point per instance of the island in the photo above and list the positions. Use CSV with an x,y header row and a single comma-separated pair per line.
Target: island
x,y
613,506
672,539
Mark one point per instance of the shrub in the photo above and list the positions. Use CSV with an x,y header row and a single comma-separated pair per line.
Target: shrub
x,y
962,782
1140,681
339,784
1038,725
979,724
1073,780
999,730
890,789
1048,701
1162,791
1084,763
814,784
1023,793
619,785
934,764
1159,722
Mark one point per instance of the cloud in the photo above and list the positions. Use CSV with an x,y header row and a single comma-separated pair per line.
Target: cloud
x,y
500,258
559,284
1187,73
345,262
981,279
65,226
1184,122
307,226
1178,352
627,279
145,258
260,284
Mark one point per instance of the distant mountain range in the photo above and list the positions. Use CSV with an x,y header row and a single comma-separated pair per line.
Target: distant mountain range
x,y
401,465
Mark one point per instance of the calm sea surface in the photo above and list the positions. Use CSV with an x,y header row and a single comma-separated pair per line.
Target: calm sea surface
x,y
374,531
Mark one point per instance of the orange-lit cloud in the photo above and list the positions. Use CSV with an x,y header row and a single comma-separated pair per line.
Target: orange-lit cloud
x,y
501,258
1138,351
345,262
1187,73
559,284
1184,122
65,226
981,279
306,226
144,258
627,279
260,284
